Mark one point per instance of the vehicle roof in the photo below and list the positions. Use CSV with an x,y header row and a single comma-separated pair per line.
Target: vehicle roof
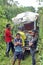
x,y
25,17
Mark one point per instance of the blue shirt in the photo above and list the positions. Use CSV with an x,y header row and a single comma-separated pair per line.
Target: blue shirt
x,y
18,48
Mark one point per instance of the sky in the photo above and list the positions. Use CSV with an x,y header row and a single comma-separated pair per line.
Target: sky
x,y
33,3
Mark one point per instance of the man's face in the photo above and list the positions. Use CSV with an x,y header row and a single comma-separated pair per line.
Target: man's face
x,y
32,34
18,36
9,27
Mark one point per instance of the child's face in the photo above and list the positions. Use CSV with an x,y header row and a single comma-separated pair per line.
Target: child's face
x,y
18,36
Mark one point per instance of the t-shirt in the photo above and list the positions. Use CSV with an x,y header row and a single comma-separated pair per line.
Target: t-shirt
x,y
34,41
18,48
23,37
8,34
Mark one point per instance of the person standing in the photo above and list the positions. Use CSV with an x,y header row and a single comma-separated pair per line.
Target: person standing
x,y
18,49
33,46
8,39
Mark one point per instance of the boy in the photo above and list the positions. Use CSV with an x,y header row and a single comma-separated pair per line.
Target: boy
x,y
18,49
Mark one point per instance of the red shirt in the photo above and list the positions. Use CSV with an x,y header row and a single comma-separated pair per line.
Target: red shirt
x,y
8,35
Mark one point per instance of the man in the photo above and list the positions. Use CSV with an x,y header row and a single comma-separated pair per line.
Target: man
x,y
18,49
33,45
8,39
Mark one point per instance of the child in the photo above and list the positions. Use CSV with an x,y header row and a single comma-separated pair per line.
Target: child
x,y
18,49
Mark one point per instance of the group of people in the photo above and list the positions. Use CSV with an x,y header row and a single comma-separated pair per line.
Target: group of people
x,y
17,47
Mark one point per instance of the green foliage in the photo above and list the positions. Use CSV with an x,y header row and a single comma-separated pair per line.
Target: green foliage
x,y
2,12
12,11
41,22
3,2
8,11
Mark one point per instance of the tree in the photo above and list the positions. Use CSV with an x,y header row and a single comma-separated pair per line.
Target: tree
x,y
3,2
41,22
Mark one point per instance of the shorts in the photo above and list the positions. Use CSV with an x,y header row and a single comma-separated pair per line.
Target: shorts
x,y
17,55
